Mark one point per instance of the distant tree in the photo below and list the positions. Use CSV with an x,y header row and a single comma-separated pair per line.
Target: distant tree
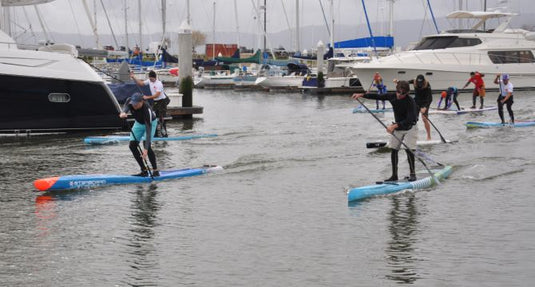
x,y
199,38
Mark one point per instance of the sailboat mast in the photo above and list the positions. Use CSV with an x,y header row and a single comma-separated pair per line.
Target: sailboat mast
x,y
237,23
189,13
297,37
140,25
213,34
126,26
391,19
265,24
163,18
332,25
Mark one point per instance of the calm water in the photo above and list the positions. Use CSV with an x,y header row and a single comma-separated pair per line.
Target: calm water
x,y
278,214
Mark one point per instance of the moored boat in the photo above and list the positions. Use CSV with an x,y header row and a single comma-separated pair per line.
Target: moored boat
x,y
446,59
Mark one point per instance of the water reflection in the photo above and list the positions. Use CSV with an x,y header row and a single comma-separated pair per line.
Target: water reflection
x,y
45,211
143,259
403,230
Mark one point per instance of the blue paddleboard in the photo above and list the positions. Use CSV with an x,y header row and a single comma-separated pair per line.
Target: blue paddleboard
x,y
103,140
497,125
363,192
93,180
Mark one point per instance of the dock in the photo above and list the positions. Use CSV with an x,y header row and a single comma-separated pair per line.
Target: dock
x,y
175,109
184,112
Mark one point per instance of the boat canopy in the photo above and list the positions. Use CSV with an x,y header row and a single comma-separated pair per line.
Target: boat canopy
x,y
235,60
483,17
379,41
14,3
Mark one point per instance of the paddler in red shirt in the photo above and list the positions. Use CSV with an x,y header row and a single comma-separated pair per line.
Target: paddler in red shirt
x,y
479,91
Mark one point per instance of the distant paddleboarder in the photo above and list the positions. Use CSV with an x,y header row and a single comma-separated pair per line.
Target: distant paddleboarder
x,y
479,88
505,97
381,88
423,97
144,124
404,129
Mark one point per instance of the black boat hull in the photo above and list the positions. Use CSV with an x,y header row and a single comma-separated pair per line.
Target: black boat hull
x,y
41,104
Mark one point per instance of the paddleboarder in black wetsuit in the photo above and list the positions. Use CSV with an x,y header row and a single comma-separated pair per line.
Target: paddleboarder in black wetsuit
x,y
144,127
423,98
404,129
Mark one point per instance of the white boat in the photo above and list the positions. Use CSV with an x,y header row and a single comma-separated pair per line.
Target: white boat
x,y
446,59
276,78
339,78
215,79
52,90
280,82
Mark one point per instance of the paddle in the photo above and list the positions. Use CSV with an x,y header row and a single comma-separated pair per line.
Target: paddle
x,y
440,134
383,124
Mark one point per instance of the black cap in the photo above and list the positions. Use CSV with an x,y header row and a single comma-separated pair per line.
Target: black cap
x,y
420,78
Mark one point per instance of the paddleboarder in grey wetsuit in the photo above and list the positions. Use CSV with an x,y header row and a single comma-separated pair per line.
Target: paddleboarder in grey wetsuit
x,y
144,128
404,129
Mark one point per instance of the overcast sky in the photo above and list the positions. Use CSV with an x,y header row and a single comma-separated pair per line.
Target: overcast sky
x,y
69,16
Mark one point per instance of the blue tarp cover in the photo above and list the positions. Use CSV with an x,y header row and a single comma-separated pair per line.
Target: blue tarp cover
x,y
380,42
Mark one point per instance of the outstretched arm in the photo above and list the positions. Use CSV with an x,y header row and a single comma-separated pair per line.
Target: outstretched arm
x,y
138,81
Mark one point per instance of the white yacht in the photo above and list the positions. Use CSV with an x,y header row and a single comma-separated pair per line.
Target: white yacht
x,y
446,59
52,90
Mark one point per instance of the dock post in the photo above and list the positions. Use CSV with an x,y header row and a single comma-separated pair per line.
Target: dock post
x,y
185,64
319,56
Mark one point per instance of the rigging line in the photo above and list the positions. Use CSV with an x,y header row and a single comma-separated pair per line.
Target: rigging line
x,y
423,21
287,20
432,16
30,23
325,19
76,23
109,24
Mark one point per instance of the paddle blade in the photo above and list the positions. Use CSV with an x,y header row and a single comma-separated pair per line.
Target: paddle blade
x,y
44,184
375,144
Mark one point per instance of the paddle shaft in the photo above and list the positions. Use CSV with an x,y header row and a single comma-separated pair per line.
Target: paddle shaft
x,y
384,125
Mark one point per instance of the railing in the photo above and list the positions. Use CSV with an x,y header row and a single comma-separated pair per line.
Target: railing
x,y
451,58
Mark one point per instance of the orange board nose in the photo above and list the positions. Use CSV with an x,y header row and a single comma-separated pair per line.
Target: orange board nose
x,y
44,184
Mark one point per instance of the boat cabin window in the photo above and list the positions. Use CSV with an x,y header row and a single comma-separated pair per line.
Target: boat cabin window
x,y
432,43
511,57
465,42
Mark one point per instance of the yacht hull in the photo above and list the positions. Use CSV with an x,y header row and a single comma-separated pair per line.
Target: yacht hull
x,y
446,76
47,104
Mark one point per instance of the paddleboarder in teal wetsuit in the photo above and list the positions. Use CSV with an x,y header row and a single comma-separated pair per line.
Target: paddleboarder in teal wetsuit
x,y
144,125
404,129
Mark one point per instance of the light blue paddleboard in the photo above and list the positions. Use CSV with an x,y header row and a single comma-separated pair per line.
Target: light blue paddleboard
x,y
363,192
103,140
497,125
